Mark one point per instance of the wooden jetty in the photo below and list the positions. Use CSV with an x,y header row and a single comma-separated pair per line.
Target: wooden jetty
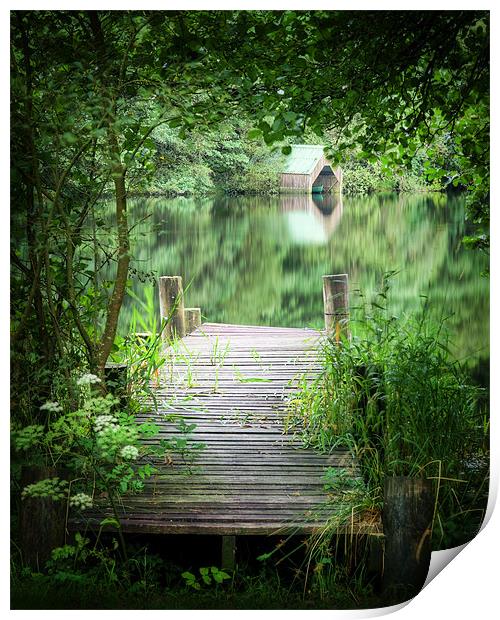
x,y
228,388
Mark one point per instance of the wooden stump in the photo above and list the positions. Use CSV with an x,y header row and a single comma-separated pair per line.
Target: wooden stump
x,y
336,305
407,521
172,306
192,319
41,520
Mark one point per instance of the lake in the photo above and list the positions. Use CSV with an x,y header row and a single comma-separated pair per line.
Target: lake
x,y
259,260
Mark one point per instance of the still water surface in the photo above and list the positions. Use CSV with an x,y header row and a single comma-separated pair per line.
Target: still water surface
x,y
260,260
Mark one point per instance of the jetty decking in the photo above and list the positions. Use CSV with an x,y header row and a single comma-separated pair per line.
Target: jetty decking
x,y
234,383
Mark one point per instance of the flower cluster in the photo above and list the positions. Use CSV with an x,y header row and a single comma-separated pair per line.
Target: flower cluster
x,y
54,407
113,438
104,422
129,453
81,501
87,379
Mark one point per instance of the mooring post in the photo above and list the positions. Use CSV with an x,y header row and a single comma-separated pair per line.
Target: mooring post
x,y
172,306
407,521
192,319
336,305
228,553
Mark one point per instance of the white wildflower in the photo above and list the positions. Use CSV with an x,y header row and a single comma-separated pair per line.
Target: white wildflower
x,y
87,379
129,453
104,422
280,91
55,407
81,501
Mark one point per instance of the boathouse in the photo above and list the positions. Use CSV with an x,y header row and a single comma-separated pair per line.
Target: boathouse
x,y
306,169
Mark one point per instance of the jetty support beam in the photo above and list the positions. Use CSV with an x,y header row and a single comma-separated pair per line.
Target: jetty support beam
x,y
228,553
407,521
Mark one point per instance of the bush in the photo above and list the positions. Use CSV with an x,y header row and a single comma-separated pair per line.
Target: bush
x,y
259,179
220,159
183,180
360,178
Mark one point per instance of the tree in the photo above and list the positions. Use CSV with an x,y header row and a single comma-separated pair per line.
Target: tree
x,y
88,89
390,83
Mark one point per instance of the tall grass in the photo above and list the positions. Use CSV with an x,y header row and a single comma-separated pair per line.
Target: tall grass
x,y
403,406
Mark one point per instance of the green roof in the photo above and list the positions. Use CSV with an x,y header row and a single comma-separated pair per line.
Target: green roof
x,y
303,158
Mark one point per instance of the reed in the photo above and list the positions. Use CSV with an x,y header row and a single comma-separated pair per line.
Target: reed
x,y
394,395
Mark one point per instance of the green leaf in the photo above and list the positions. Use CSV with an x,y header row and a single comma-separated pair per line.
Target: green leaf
x,y
286,150
254,133
69,137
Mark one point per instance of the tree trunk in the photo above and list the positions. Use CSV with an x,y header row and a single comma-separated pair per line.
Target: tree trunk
x,y
41,520
118,294
118,172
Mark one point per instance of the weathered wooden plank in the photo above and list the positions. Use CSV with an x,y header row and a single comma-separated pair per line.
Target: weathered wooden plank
x,y
277,527
251,477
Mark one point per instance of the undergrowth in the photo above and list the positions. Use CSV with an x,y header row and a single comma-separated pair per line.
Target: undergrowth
x,y
395,397
151,582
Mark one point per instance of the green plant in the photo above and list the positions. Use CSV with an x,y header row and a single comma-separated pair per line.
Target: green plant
x,y
403,406
183,444
97,446
217,357
208,576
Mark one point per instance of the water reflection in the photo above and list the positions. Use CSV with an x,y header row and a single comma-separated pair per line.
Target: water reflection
x,y
260,260
312,218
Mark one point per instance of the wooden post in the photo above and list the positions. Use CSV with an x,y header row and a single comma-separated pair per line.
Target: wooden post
x,y
407,520
41,520
192,319
228,553
115,376
336,305
172,306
